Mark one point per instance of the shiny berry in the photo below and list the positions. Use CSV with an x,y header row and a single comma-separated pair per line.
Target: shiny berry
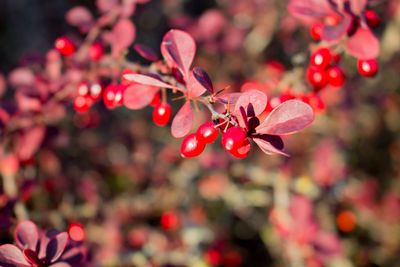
x,y
76,231
83,89
169,220
192,146
64,46
242,151
233,138
156,99
373,20
335,76
207,133
321,58
316,77
162,114
95,91
367,67
316,30
109,96
82,103
96,50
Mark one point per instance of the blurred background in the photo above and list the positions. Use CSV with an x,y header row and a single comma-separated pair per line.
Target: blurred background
x,y
334,202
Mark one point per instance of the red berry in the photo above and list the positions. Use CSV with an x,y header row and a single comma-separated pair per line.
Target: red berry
x,y
192,146
233,138
169,220
367,67
372,19
82,103
156,99
207,133
335,76
76,231
64,46
316,77
321,58
212,257
83,89
162,113
95,91
242,151
316,30
96,50
109,96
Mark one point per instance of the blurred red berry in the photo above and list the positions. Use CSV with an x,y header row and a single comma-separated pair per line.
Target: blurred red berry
x,y
192,146
162,114
83,89
207,133
96,51
321,58
95,90
82,103
335,76
169,220
64,46
212,257
316,77
367,67
373,20
316,30
76,231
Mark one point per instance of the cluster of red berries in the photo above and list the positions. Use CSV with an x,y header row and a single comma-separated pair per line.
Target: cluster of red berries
x,y
114,95
66,47
234,140
322,71
86,95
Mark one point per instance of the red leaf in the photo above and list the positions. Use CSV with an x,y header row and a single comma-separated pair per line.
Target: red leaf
x,y
56,246
333,33
183,121
10,255
28,141
309,8
230,98
194,87
179,48
253,102
26,235
122,35
106,5
363,44
79,16
263,141
138,96
152,80
146,52
203,78
289,117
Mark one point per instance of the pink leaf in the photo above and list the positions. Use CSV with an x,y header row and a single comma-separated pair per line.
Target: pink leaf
x,y
309,8
230,98
179,48
26,103
327,244
28,141
152,80
363,44
194,87
334,33
289,117
26,235
357,6
79,16
106,5
11,256
269,144
183,121
301,209
253,102
21,77
138,96
56,246
122,35
146,52
203,78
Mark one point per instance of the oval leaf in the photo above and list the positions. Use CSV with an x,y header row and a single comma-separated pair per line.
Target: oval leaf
x,y
252,101
138,96
26,235
122,35
79,16
179,48
363,44
194,87
146,52
309,8
183,121
152,80
270,145
106,5
28,141
203,78
11,256
56,246
287,118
